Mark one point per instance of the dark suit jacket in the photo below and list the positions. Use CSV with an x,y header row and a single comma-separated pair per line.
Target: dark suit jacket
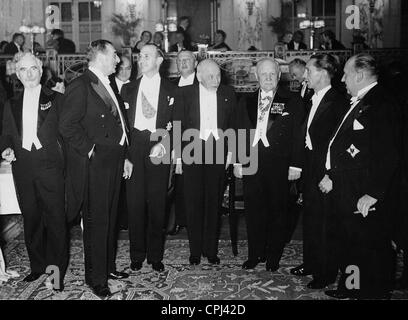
x,y
167,96
291,46
65,46
47,127
330,112
375,145
284,132
188,108
85,121
11,48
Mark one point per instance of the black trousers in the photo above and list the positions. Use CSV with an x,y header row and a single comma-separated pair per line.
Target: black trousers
x,y
181,219
146,196
100,214
318,225
362,242
40,188
266,198
203,190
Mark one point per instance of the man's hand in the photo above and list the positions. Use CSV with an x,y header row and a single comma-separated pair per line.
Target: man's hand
x,y
127,169
294,174
238,171
365,203
326,185
158,151
8,155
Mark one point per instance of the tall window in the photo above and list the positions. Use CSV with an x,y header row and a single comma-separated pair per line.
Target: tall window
x,y
323,8
81,20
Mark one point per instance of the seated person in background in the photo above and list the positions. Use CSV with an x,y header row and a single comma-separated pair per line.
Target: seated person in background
x,y
220,44
145,38
287,37
16,45
330,42
60,43
181,43
297,43
3,45
158,38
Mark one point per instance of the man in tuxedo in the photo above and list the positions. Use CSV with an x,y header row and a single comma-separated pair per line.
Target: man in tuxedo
x,y
30,141
16,45
150,102
297,44
93,126
62,44
181,43
122,74
297,68
207,110
275,116
328,108
361,162
186,65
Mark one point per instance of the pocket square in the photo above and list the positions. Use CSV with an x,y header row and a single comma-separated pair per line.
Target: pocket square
x,y
285,114
353,151
127,106
357,125
171,101
45,106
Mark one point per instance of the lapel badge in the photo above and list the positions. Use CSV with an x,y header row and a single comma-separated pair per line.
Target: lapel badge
x,y
45,106
127,106
169,126
171,101
277,108
353,151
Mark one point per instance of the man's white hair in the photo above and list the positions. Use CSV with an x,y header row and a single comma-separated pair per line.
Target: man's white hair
x,y
21,55
272,60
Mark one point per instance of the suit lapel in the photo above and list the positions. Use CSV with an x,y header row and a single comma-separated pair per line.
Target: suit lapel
x,y
324,104
163,104
17,111
252,107
133,92
45,104
194,108
220,108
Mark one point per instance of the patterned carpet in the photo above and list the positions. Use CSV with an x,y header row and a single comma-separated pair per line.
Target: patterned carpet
x,y
180,281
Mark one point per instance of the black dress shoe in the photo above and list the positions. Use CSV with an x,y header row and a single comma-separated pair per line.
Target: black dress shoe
x,y
250,264
338,294
176,230
317,284
136,266
195,261
213,260
102,291
115,275
158,266
300,271
32,277
271,266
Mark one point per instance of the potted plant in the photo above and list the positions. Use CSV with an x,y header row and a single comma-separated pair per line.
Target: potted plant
x,y
124,28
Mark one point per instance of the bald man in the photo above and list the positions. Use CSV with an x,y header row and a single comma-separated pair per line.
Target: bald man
x,y
275,116
204,109
150,102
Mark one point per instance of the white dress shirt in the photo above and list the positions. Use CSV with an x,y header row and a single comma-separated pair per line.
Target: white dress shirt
x,y
120,83
150,87
262,119
208,114
316,100
296,45
354,102
187,81
30,117
106,83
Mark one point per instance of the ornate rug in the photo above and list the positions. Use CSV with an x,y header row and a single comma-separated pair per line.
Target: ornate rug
x,y
179,281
